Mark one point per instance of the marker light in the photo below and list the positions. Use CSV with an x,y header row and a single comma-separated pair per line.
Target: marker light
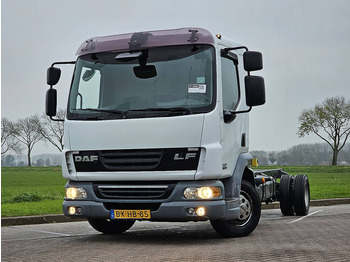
x,y
202,192
76,193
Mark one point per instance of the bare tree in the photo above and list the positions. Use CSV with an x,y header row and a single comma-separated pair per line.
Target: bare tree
x,y
8,137
27,132
330,121
53,131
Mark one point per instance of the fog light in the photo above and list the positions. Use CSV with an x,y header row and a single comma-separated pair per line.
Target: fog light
x,y
71,210
76,193
200,211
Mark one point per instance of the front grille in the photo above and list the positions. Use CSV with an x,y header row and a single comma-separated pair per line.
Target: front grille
x,y
133,206
131,160
133,191
138,160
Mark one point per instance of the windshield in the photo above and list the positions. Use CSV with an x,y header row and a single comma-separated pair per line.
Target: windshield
x,y
158,82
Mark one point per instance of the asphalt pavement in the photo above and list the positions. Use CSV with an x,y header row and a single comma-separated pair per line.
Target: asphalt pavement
x,y
323,235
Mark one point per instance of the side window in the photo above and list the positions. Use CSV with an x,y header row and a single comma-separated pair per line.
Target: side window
x,y
230,89
89,88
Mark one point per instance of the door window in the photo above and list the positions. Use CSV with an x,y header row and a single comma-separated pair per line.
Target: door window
x,y
230,87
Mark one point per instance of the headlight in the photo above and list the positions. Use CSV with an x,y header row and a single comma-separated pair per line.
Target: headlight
x,y
202,192
76,193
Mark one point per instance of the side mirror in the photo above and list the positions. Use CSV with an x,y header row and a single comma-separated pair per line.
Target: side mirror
x,y
254,90
51,102
252,61
53,76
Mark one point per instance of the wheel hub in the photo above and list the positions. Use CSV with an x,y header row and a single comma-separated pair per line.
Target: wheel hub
x,y
245,208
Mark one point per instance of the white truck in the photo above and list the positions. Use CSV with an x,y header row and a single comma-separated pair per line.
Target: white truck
x,y
157,129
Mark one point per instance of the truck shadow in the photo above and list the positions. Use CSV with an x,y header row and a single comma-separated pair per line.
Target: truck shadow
x,y
189,233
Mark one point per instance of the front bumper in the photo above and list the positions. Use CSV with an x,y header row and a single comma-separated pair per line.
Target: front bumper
x,y
174,208
173,211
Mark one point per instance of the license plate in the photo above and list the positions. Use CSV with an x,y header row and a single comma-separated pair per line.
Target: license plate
x,y
130,214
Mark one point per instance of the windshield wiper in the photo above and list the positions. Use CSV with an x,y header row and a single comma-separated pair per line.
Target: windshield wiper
x,y
108,112
180,109
119,112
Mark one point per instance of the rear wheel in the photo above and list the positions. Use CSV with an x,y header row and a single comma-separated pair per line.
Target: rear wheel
x,y
250,210
301,195
108,226
286,195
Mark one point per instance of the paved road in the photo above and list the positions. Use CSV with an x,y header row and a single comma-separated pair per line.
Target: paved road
x,y
324,235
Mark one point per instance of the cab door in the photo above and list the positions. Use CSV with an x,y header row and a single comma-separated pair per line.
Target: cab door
x,y
234,127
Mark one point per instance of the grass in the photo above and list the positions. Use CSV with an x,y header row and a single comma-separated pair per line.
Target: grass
x,y
31,191
326,182
44,207
39,191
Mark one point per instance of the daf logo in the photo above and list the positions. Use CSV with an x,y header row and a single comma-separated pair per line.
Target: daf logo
x,y
85,158
181,156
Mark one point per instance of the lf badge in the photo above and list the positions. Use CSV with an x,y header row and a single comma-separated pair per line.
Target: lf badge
x,y
180,156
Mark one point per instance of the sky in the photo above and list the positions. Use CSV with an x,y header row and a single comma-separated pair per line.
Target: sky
x,y
305,45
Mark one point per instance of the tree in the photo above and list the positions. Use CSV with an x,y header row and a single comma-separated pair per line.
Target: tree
x,y
53,131
330,121
261,156
305,155
40,162
272,157
27,132
10,160
344,155
8,137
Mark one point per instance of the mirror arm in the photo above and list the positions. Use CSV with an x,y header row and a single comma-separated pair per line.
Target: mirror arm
x,y
230,115
56,119
235,48
226,50
63,63
241,112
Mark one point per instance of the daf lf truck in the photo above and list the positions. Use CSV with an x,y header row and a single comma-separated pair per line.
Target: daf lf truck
x,y
157,128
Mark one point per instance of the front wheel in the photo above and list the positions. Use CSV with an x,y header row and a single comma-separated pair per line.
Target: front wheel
x,y
108,226
249,216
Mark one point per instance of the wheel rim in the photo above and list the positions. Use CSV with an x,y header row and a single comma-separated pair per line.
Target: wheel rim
x,y
245,210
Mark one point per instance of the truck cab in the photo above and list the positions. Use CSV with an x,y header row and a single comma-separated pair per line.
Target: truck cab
x,y
157,128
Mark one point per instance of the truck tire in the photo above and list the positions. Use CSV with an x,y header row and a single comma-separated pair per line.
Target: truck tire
x,y
286,195
250,210
301,195
107,226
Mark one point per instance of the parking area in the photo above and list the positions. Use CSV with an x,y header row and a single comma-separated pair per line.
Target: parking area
x,y
323,235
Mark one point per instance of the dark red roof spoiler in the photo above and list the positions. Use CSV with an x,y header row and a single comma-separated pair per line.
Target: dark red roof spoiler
x,y
136,41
